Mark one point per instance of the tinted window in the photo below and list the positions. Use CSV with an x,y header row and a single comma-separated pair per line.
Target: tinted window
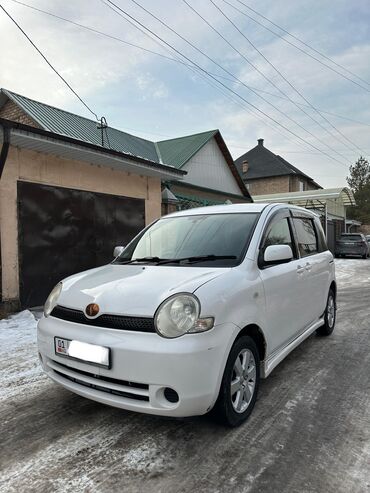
x,y
279,234
306,236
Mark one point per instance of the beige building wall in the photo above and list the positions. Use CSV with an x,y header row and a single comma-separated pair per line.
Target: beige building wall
x,y
265,186
36,167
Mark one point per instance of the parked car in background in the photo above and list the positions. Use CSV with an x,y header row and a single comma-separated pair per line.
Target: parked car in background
x,y
352,244
193,312
368,242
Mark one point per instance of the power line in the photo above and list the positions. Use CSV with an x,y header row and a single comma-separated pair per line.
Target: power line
x,y
219,82
289,83
202,73
297,47
190,67
176,60
230,73
49,63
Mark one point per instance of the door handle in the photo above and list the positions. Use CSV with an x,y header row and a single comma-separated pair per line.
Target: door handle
x,y
308,266
300,269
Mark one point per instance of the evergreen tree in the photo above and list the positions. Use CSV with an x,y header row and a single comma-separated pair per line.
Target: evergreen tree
x,y
359,182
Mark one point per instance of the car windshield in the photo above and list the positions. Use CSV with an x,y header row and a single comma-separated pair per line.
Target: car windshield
x,y
351,237
200,240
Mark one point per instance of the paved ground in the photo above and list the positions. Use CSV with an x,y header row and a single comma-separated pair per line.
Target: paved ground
x,y
310,431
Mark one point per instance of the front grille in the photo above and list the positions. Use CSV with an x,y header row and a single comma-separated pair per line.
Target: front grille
x,y
120,322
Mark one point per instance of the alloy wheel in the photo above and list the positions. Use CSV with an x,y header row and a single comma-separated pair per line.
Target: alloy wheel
x,y
243,380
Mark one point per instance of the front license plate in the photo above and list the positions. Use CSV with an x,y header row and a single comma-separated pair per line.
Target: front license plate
x,y
82,351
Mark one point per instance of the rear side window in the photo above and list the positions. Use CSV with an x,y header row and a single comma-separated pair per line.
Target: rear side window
x,y
306,236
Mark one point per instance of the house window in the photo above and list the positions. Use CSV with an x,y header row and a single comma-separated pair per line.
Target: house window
x,y
244,166
302,186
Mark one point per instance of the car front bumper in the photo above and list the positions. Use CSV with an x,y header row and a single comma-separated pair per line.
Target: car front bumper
x,y
143,366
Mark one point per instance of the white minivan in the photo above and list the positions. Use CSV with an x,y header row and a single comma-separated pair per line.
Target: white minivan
x,y
193,312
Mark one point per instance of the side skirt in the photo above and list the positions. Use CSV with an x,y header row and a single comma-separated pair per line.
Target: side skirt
x,y
268,365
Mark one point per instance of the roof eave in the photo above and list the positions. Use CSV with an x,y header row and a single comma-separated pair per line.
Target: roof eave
x,y
32,138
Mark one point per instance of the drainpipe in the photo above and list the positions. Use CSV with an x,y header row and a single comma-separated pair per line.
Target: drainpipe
x,y
3,155
4,148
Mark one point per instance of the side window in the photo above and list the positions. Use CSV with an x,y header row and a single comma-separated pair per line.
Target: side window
x,y
306,236
279,234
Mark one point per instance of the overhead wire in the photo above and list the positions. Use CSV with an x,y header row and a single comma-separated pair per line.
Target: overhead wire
x,y
49,63
200,73
301,41
220,82
176,60
300,94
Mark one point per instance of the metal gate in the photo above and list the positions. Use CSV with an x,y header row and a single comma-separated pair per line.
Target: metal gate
x,y
63,231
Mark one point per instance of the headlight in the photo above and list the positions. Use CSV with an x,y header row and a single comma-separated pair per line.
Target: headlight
x,y
52,299
179,315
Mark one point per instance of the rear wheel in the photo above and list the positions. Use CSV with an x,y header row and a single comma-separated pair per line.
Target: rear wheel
x,y
364,256
330,316
240,382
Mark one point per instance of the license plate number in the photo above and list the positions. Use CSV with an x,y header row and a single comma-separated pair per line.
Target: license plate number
x,y
82,351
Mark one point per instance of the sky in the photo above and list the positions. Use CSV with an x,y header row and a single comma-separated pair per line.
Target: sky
x,y
147,95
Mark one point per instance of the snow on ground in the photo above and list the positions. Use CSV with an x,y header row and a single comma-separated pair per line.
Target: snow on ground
x,y
17,344
346,270
308,433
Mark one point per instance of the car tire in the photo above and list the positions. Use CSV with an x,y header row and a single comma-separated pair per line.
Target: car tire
x,y
329,316
364,256
239,385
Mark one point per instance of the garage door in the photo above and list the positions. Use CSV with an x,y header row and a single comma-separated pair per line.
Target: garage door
x,y
64,231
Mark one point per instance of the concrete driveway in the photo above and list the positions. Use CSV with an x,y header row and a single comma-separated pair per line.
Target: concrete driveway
x,y
309,432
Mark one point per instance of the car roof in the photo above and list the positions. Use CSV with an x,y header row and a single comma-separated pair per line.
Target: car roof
x,y
235,209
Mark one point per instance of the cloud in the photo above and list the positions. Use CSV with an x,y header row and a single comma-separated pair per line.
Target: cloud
x,y
134,89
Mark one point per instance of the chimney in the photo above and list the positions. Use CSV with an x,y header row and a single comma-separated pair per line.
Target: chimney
x,y
260,142
244,167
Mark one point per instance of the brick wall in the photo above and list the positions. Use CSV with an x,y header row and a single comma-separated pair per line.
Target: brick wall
x,y
265,186
11,111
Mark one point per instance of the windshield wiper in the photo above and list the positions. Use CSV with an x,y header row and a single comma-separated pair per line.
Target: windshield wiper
x,y
198,258
142,259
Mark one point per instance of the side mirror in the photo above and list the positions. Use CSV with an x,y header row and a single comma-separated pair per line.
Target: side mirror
x,y
118,250
277,254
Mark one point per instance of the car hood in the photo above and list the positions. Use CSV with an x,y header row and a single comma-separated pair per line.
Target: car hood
x,y
135,290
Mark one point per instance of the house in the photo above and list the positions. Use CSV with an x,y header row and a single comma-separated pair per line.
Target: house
x,y
266,173
211,176
70,191
65,199
330,204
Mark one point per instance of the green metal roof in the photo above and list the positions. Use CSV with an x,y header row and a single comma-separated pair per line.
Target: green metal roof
x,y
179,151
77,127
172,152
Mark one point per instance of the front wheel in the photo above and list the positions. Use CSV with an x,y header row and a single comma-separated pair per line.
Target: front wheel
x,y
240,382
329,316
